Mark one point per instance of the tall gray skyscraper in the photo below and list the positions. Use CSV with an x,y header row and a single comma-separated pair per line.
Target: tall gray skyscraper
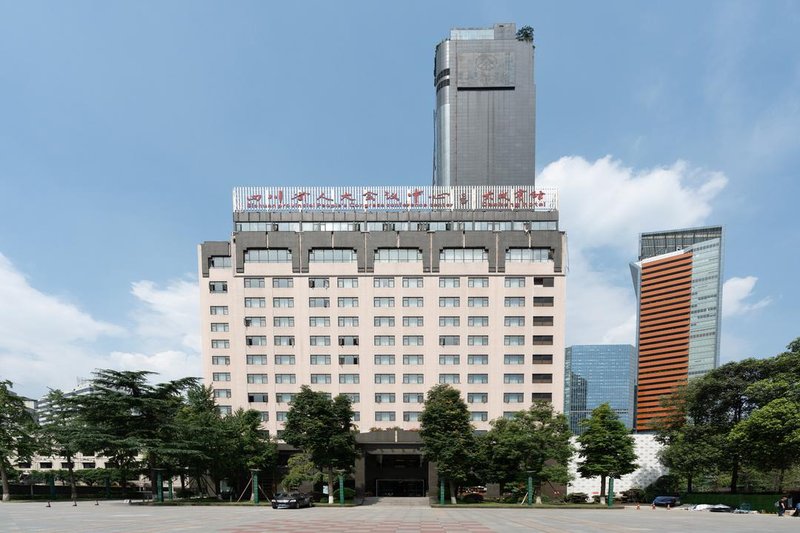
x,y
485,116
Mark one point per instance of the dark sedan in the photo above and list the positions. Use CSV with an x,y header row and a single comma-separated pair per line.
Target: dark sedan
x,y
663,501
291,500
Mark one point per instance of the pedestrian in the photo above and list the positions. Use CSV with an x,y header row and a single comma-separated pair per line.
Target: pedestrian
x,y
782,503
796,509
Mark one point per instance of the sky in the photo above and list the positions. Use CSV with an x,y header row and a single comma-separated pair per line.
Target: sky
x,y
124,127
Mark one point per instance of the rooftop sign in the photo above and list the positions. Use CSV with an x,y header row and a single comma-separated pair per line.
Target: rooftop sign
x,y
394,198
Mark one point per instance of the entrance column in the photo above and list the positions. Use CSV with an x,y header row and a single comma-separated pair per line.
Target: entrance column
x,y
360,472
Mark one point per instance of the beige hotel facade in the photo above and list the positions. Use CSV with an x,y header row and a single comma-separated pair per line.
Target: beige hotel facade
x,y
379,293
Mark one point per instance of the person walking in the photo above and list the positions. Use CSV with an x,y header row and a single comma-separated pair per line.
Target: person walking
x,y
782,503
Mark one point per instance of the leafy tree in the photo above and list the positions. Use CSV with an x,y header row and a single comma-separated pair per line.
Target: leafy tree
x,y
448,437
525,33
249,446
692,450
62,434
301,470
534,442
606,448
323,429
17,433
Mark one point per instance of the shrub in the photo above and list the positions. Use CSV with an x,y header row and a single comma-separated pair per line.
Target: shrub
x,y
472,497
349,494
633,495
576,497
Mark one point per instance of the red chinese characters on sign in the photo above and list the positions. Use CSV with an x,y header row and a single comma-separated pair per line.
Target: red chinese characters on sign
x,y
300,197
414,195
370,196
391,196
346,197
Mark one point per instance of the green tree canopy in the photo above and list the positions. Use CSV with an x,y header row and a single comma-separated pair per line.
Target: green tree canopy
x,y
62,433
17,433
606,447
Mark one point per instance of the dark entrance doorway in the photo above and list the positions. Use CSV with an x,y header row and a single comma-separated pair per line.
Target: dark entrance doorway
x,y
395,472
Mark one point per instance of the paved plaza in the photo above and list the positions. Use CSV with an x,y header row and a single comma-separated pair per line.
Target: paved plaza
x,y
380,518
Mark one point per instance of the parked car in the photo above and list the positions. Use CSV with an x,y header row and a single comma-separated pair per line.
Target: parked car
x,y
663,501
291,500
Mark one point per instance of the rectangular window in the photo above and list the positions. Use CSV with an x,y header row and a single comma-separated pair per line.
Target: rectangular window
x,y
413,359
449,340
516,282
513,397
413,340
383,283
384,379
413,397
257,378
449,359
284,397
452,379
514,301
354,397
412,301
284,359
347,283
478,359
219,261
398,255
320,359
529,255
255,302
319,321
349,379
218,286
280,416
384,397
514,321
256,359
514,340
542,378
219,327
544,281
543,359
449,282
543,301
319,340
411,416
319,302
475,282
262,255
543,321
413,379
513,359
319,283
383,301
347,301
285,379
478,321
257,397
283,340
255,340
348,340
477,397
463,255
477,301
383,321
412,283
222,393
224,410
348,359
413,321
277,283
446,321
320,379
384,416
478,416
220,344
282,302
218,310
348,321
255,321
513,378
477,378
220,360
383,340
332,255
541,396
478,340
542,340
384,359
449,301
283,321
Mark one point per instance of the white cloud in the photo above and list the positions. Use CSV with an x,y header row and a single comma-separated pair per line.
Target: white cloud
x,y
171,314
169,365
736,292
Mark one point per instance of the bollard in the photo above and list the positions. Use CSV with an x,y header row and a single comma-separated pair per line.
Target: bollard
x,y
96,502
48,504
668,507
637,506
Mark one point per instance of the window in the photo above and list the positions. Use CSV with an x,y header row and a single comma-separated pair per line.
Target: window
x,y
383,301
384,416
218,286
413,321
544,281
348,340
46,464
319,283
529,255
478,340
542,378
284,359
268,255
543,359
384,359
478,282
256,359
412,283
543,321
220,360
219,326
289,379
219,261
354,397
349,301
320,379
543,301
449,340
348,359
412,301
319,340
513,378
257,397
477,301
398,255
413,379
449,359
221,343
320,359
513,397
225,409
383,321
280,416
319,302
449,282
452,379
383,340
478,359
284,340
383,283
477,397
513,359
514,321
413,359
222,393
255,302
445,321
255,321
332,255
514,340
384,379
514,301
347,283
541,396
285,397
257,378
478,416
283,321
413,397
542,340
218,310
411,416
282,302
384,397
463,255
516,282
277,283
349,379
449,301
413,340
348,321
319,321
477,378
256,340
478,321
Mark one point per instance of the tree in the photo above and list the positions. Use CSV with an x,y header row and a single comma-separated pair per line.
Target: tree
x,y
62,434
301,470
606,448
691,450
323,429
534,443
525,33
448,437
17,433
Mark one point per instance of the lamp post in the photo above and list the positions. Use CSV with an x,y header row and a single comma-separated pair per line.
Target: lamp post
x,y
340,473
441,491
254,473
610,489
160,485
530,486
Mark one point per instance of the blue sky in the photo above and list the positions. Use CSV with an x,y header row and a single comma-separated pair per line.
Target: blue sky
x,y
124,127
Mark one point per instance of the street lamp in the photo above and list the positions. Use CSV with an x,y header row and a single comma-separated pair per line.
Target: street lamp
x,y
160,482
610,489
340,473
254,473
530,485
